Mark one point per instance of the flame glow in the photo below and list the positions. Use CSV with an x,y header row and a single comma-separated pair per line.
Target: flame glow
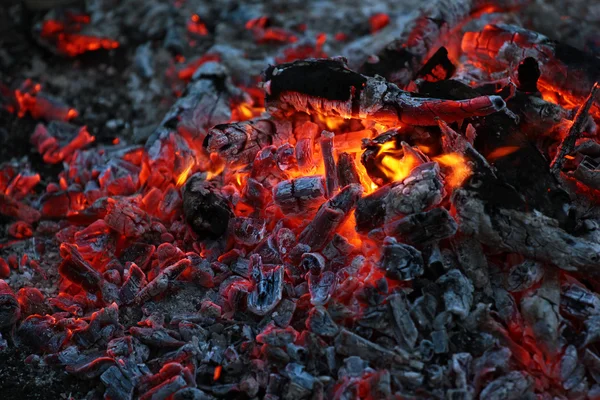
x,y
457,168
395,163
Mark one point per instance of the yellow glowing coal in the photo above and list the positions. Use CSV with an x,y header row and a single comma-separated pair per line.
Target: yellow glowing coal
x,y
457,168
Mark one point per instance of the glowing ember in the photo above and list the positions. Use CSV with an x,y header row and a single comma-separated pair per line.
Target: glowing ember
x,y
457,167
68,41
396,163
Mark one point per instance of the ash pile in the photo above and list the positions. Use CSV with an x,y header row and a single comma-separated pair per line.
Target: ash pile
x,y
299,201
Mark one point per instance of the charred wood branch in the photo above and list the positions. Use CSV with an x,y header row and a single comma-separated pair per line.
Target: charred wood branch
x,y
205,208
568,144
423,188
532,235
162,282
297,87
329,217
239,142
562,67
331,178
471,258
401,59
350,344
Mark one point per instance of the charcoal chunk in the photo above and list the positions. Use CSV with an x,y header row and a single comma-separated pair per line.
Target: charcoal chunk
x,y
205,208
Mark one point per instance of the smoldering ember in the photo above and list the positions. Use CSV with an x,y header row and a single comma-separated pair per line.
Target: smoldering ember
x,y
300,199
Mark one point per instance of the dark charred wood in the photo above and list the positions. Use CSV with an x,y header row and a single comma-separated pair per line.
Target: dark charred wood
x,y
588,172
421,189
205,208
508,230
351,95
400,261
206,102
300,195
329,217
331,178
562,67
423,228
437,68
239,142
346,170
10,310
402,58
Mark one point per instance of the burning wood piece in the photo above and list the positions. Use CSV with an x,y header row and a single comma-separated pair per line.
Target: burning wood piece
x,y
58,141
239,142
400,60
300,195
331,178
330,216
400,261
136,279
296,87
268,286
346,170
10,310
588,172
424,227
385,163
205,208
562,67
423,188
568,144
162,282
206,102
248,231
507,230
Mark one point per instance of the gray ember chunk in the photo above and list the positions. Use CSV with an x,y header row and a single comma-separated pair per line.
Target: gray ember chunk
x,y
423,227
523,276
457,294
268,287
282,316
513,386
579,302
119,385
423,311
404,328
191,394
319,321
205,208
400,261
350,344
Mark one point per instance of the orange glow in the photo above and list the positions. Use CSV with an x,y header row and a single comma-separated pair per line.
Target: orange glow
x,y
396,164
217,373
332,123
71,43
457,168
378,22
501,152
184,175
196,26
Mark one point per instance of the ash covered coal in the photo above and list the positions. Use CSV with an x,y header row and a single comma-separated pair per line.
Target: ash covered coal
x,y
204,200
